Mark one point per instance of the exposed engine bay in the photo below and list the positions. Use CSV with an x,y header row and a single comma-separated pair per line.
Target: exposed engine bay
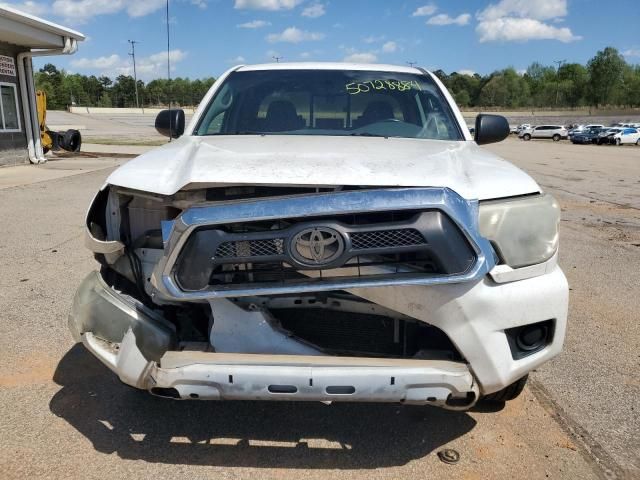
x,y
336,323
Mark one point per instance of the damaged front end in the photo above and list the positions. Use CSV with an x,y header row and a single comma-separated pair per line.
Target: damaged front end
x,y
300,294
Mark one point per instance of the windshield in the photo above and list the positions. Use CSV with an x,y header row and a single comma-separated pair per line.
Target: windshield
x,y
329,102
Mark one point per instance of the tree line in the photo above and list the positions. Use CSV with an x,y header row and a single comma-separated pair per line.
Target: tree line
x,y
606,80
64,89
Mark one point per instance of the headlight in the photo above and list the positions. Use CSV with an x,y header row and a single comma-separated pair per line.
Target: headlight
x,y
524,231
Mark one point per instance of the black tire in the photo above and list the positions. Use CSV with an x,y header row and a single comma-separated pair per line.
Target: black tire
x,y
526,137
508,393
618,142
556,138
638,142
72,140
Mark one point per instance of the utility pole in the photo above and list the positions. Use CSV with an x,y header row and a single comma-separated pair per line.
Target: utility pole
x,y
135,76
412,64
559,63
277,59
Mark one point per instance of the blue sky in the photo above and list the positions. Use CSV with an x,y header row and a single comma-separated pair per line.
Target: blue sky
x,y
209,36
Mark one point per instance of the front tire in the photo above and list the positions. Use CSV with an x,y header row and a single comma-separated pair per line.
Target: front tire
x,y
556,138
526,137
508,393
618,142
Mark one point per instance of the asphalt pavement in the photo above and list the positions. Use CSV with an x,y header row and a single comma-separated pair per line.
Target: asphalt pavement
x,y
65,415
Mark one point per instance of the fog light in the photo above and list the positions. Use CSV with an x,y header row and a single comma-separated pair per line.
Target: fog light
x,y
529,339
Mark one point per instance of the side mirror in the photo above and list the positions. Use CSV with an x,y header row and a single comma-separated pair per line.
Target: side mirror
x,y
491,129
170,123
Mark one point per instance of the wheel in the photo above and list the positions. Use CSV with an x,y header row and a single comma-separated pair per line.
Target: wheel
x,y
526,137
72,141
556,138
507,393
618,141
638,142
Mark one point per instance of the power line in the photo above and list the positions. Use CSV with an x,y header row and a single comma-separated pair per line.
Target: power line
x,y
135,76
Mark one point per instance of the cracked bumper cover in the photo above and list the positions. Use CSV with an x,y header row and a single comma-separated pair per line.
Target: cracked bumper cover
x,y
134,345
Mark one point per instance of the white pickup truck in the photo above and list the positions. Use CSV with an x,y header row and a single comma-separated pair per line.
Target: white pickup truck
x,y
325,232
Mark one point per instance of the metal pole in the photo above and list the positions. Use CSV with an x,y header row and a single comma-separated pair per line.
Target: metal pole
x,y
169,71
559,63
135,76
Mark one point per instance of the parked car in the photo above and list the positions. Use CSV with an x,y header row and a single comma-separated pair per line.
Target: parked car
x,y
521,127
555,132
627,136
582,128
363,249
587,136
605,137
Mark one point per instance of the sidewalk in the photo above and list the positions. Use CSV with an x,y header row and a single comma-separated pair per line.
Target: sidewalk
x,y
116,149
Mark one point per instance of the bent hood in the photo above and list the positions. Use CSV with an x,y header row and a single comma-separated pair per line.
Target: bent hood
x,y
462,166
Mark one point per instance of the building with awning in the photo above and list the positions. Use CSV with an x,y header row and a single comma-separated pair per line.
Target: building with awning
x,y
22,37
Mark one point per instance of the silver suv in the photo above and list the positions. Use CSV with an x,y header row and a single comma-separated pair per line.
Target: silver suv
x,y
555,132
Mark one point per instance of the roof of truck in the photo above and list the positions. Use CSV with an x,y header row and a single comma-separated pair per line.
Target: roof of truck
x,y
329,66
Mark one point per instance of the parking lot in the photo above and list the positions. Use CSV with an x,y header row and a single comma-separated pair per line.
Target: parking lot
x,y
65,415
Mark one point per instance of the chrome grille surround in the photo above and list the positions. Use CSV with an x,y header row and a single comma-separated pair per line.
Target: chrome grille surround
x,y
463,213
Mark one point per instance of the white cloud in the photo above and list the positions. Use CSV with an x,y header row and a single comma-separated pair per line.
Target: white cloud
x,y
536,9
79,11
199,3
390,47
33,8
266,4
632,52
365,57
425,11
238,59
470,73
294,35
147,68
254,24
444,19
522,30
100,63
522,20
373,39
314,11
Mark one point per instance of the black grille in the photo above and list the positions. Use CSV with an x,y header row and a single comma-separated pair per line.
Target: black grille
x,y
424,243
250,248
404,237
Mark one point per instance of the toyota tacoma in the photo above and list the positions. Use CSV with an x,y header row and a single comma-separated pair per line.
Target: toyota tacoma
x,y
324,232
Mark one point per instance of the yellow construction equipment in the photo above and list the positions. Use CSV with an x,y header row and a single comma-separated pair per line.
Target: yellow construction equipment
x,y
69,140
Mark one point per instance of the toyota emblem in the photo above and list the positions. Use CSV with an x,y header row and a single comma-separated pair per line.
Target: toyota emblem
x,y
317,246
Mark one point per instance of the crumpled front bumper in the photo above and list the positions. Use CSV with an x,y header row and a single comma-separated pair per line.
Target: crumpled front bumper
x,y
224,376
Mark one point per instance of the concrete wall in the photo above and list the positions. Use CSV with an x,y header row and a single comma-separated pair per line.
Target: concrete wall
x,y
127,111
13,145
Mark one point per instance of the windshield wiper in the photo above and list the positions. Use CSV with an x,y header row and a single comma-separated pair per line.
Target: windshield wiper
x,y
366,134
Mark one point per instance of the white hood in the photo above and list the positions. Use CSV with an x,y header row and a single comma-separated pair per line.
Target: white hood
x,y
464,167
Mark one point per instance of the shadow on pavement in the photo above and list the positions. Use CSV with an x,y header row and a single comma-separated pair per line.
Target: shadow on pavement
x,y
136,425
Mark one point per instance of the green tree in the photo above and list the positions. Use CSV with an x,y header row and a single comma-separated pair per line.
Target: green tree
x,y
605,75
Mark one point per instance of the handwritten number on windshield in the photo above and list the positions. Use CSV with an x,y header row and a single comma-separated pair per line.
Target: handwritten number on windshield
x,y
376,85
